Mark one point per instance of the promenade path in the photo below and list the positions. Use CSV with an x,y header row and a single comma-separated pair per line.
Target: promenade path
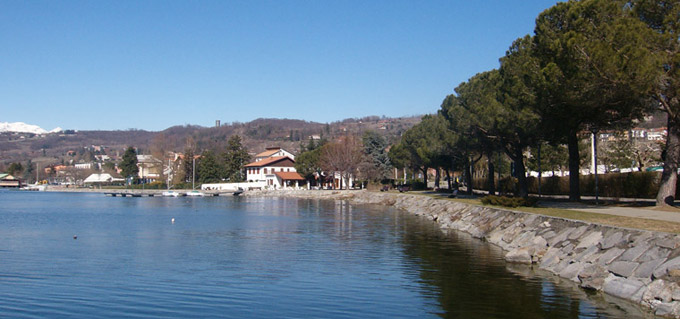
x,y
647,213
643,208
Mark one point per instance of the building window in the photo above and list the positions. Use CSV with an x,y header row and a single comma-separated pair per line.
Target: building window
x,y
265,171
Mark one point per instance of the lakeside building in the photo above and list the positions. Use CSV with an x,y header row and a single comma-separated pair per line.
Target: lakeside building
x,y
275,172
272,169
103,179
7,180
149,168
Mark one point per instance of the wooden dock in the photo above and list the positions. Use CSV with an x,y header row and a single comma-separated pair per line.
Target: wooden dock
x,y
159,193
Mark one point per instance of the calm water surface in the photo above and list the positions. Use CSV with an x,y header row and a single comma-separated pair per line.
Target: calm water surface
x,y
226,257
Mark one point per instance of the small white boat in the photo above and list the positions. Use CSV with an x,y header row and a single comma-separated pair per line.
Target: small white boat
x,y
195,194
35,187
172,194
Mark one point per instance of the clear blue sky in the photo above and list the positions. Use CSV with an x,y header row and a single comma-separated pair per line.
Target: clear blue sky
x,y
154,64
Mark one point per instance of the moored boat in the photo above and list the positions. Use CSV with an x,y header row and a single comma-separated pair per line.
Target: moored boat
x,y
195,194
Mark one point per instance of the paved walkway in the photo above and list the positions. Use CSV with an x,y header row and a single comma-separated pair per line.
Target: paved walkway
x,y
636,212
614,210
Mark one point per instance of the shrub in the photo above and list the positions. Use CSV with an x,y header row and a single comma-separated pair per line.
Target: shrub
x,y
508,201
417,185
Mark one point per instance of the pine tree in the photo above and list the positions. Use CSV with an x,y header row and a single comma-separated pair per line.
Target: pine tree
x,y
128,164
235,158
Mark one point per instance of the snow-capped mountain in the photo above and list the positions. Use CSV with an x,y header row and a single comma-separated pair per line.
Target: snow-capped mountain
x,y
21,127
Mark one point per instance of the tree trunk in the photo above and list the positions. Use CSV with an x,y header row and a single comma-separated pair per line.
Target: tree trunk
x,y
448,178
520,172
669,178
574,167
437,177
425,176
490,182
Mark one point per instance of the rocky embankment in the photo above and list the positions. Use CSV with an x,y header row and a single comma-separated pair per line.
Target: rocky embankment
x,y
637,265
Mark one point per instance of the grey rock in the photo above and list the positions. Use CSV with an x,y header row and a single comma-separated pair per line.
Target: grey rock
x,y
523,239
592,276
662,270
495,237
654,253
591,239
671,309
572,270
632,254
612,240
539,241
675,295
548,234
585,254
568,249
519,255
670,243
560,266
610,255
578,232
624,288
623,268
646,269
549,263
562,236
657,290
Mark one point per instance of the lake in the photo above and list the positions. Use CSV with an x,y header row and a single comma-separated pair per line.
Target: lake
x,y
242,257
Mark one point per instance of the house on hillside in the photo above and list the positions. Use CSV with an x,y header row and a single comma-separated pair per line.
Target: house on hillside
x,y
276,172
149,168
273,152
7,180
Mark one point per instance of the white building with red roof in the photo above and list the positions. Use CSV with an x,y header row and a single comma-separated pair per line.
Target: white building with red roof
x,y
275,171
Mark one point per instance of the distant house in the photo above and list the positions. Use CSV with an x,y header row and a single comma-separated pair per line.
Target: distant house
x,y
276,172
657,134
84,165
273,152
7,180
149,168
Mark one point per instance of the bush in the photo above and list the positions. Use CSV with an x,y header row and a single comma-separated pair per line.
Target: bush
x,y
417,185
509,201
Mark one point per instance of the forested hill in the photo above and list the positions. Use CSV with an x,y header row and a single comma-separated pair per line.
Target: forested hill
x,y
257,134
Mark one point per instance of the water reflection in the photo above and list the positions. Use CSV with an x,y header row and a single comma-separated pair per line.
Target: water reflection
x,y
473,281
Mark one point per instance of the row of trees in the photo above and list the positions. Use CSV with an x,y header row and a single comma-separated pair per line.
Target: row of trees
x,y
211,166
215,166
590,65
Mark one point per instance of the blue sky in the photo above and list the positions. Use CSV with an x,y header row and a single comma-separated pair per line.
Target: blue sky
x,y
154,64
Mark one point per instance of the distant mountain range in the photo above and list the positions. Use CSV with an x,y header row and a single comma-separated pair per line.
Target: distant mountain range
x,y
20,142
21,127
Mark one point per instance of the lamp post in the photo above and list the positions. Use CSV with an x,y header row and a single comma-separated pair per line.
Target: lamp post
x,y
594,130
540,171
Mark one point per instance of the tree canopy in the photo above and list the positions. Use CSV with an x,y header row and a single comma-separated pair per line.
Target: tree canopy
x,y
128,164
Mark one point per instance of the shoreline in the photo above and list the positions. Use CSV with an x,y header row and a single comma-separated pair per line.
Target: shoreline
x,y
640,266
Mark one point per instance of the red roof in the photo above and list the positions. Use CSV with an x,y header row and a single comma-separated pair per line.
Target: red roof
x,y
288,176
268,161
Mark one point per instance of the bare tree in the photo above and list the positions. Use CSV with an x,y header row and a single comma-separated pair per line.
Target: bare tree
x,y
342,156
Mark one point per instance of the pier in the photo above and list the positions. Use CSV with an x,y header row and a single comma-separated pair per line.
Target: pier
x,y
159,193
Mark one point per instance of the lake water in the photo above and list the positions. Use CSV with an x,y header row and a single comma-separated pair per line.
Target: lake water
x,y
239,257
